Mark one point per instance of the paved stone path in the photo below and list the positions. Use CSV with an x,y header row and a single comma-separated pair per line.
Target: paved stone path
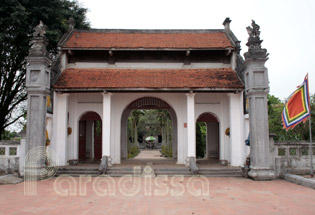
x,y
149,154
228,196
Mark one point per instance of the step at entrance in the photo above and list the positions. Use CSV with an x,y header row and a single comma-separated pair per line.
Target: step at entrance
x,y
155,170
76,172
220,172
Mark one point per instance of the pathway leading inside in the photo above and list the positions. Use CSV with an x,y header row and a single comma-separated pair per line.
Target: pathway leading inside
x,y
149,154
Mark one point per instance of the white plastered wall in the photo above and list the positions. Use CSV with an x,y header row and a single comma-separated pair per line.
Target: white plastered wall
x,y
79,104
215,103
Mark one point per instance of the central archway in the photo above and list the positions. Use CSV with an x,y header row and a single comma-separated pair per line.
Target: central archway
x,y
147,103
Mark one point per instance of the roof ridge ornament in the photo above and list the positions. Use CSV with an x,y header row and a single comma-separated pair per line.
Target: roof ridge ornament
x,y
226,23
71,23
254,44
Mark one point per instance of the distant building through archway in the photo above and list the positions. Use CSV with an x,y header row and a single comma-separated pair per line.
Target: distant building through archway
x,y
147,103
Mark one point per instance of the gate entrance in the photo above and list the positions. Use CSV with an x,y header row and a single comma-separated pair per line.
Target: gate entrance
x,y
159,114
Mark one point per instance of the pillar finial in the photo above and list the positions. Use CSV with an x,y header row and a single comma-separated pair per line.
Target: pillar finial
x,y
254,44
39,41
40,30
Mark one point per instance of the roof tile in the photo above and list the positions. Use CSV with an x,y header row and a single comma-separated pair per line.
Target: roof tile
x,y
214,40
148,78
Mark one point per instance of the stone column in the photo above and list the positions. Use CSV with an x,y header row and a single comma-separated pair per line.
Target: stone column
x,y
236,129
37,87
191,125
257,88
106,128
60,126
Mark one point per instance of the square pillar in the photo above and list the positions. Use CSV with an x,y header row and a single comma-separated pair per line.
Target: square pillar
x,y
257,89
236,129
191,125
106,127
60,127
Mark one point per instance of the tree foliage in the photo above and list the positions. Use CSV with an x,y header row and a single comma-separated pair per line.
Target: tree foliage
x,y
152,122
201,142
17,20
299,133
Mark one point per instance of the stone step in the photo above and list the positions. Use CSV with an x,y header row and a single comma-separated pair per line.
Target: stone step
x,y
220,172
76,174
74,171
119,172
77,169
172,172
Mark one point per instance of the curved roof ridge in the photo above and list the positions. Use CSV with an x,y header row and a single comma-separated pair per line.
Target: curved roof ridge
x,y
154,31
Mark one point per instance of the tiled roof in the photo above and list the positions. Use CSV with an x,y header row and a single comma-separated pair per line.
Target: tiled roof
x,y
151,40
148,78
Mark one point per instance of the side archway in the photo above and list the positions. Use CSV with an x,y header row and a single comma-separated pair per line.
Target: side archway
x,y
147,103
90,136
212,141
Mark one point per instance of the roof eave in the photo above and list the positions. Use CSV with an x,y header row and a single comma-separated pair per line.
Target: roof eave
x,y
117,90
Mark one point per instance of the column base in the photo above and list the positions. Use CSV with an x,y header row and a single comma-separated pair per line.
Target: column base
x,y
261,174
224,162
106,162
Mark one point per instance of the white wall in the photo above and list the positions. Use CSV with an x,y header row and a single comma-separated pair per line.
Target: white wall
x,y
147,65
81,103
215,103
246,132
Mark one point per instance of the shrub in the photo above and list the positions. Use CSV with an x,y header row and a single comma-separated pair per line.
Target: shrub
x,y
166,151
133,151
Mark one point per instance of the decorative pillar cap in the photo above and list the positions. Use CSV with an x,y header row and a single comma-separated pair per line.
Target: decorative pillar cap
x,y
254,44
39,42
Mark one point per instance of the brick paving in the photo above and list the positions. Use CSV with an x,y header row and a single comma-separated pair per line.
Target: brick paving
x,y
228,196
149,154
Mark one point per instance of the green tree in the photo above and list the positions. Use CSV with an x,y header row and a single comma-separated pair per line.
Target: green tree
x,y
8,135
17,20
150,122
201,135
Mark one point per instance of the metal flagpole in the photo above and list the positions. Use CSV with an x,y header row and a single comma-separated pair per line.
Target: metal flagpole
x,y
310,128
311,145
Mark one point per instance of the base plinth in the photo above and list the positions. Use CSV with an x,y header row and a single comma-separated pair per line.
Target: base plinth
x,y
261,174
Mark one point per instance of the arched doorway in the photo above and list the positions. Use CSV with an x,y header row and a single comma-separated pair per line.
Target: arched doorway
x,y
207,137
90,137
143,104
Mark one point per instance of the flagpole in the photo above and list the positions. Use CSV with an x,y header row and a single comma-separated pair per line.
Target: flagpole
x,y
311,145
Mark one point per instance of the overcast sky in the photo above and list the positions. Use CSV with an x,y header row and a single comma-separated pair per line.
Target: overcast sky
x,y
287,28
